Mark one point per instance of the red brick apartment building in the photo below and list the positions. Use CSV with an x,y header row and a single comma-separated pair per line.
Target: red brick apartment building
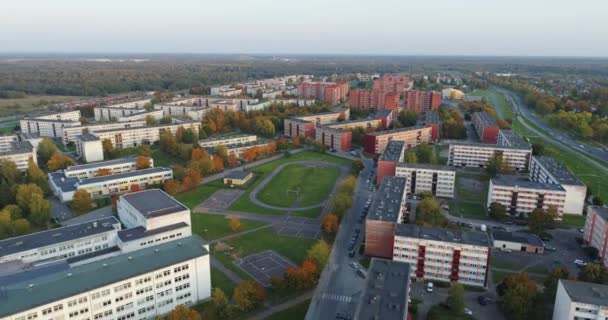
x,y
338,135
385,94
375,142
330,92
304,126
486,127
388,160
421,101
432,121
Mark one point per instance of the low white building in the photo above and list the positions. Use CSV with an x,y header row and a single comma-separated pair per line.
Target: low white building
x,y
549,170
577,300
479,154
522,196
51,124
69,134
86,171
20,152
142,115
133,137
439,180
174,110
89,148
596,231
226,91
227,140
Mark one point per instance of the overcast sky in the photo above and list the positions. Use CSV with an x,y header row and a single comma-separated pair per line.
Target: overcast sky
x,y
403,27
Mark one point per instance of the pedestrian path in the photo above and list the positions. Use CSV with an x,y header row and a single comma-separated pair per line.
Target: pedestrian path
x,y
336,297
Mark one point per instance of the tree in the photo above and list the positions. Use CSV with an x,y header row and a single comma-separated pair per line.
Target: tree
x,y
410,157
46,148
357,166
329,223
36,176
220,300
179,134
182,312
207,165
428,213
82,201
198,154
21,227
150,120
539,220
425,153
171,187
192,178
40,210
134,188
9,172
494,165
108,148
142,162
498,211
235,224
552,279
296,141
341,203
348,185
13,211
407,117
25,192
221,151
103,172
519,293
595,273
248,295
232,159
319,253
144,151
456,298
218,164
59,161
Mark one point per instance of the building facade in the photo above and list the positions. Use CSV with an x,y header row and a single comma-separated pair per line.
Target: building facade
x,y
522,196
89,148
330,92
227,140
20,152
486,127
478,155
576,300
86,171
389,159
375,142
338,135
595,232
432,121
133,137
421,101
69,134
438,180
304,126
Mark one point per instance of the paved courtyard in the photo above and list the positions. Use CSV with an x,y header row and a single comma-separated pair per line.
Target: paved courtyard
x,y
221,199
264,265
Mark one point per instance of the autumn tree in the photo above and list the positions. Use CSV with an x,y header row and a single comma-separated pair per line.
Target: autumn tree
x,y
552,280
181,312
36,176
329,223
192,178
410,157
221,151
179,134
134,188
82,201
171,187
59,161
407,117
46,148
199,154
235,224
103,172
248,295
519,293
296,141
142,162
218,164
144,151
539,220
233,160
40,209
356,167
108,148
24,196
319,253
341,203
428,213
595,273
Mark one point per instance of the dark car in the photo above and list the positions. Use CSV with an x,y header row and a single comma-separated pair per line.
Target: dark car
x,y
351,254
482,300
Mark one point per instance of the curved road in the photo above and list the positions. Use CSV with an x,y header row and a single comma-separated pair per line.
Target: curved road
x,y
254,192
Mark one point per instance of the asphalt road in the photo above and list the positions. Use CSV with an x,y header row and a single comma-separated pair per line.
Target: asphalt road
x,y
339,287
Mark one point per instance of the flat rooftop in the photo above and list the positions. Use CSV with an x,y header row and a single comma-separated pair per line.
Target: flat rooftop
x,y
484,119
87,137
468,237
586,292
514,139
431,117
48,287
386,291
489,146
54,236
18,147
516,181
101,164
153,203
141,232
393,151
62,182
425,166
558,171
123,175
383,113
526,238
387,202
237,174
159,126
226,137
387,132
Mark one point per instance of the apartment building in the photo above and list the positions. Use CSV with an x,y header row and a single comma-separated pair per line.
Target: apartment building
x,y
178,110
595,232
227,140
101,186
239,148
387,291
89,148
548,170
6,140
46,127
339,135
142,115
486,127
69,115
131,104
20,152
431,120
395,84
385,212
133,137
374,99
576,300
375,142
113,113
478,155
522,196
385,116
86,171
421,101
226,91
69,134
330,92
389,159
304,126
510,138
421,177
300,102
444,255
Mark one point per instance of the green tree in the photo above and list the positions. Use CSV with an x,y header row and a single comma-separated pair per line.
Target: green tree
x,y
348,185
595,273
495,164
9,173
519,295
82,201
410,157
551,281
319,253
40,210
25,193
356,166
36,176
456,298
407,117
150,120
498,211
428,213
108,148
20,227
46,149
539,219
341,203
425,153
222,152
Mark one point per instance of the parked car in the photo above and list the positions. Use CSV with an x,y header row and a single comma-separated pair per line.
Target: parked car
x,y
354,265
482,300
429,287
352,253
468,311
505,249
362,273
580,263
550,248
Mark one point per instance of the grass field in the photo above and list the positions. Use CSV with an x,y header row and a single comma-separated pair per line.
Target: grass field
x,y
472,210
30,104
574,221
310,213
219,280
194,197
313,183
297,312
211,227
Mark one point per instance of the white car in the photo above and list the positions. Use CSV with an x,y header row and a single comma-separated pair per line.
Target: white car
x,y
354,265
468,311
505,249
580,263
429,287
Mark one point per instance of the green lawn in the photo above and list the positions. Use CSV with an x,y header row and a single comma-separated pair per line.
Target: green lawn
x,y
219,280
297,312
313,183
574,221
498,276
310,213
447,314
503,104
243,203
211,227
194,197
472,210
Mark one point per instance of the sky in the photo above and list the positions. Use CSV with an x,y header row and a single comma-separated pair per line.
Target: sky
x,y
393,27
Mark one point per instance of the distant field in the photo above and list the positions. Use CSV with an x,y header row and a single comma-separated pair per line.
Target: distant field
x,y
30,104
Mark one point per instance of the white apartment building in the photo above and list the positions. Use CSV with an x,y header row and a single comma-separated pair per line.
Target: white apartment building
x,y
577,300
478,154
50,125
228,140
20,152
89,148
439,180
238,149
142,115
443,254
198,114
115,111
70,115
69,134
225,91
548,170
596,231
522,196
133,104
175,110
133,137
511,138
301,102
86,171
5,142
64,187
375,142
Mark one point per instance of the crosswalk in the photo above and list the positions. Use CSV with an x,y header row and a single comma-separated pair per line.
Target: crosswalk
x,y
336,297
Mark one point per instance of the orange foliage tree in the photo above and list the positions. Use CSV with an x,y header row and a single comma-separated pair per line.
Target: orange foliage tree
x,y
218,163
329,224
103,172
232,159
235,224
142,162
171,187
